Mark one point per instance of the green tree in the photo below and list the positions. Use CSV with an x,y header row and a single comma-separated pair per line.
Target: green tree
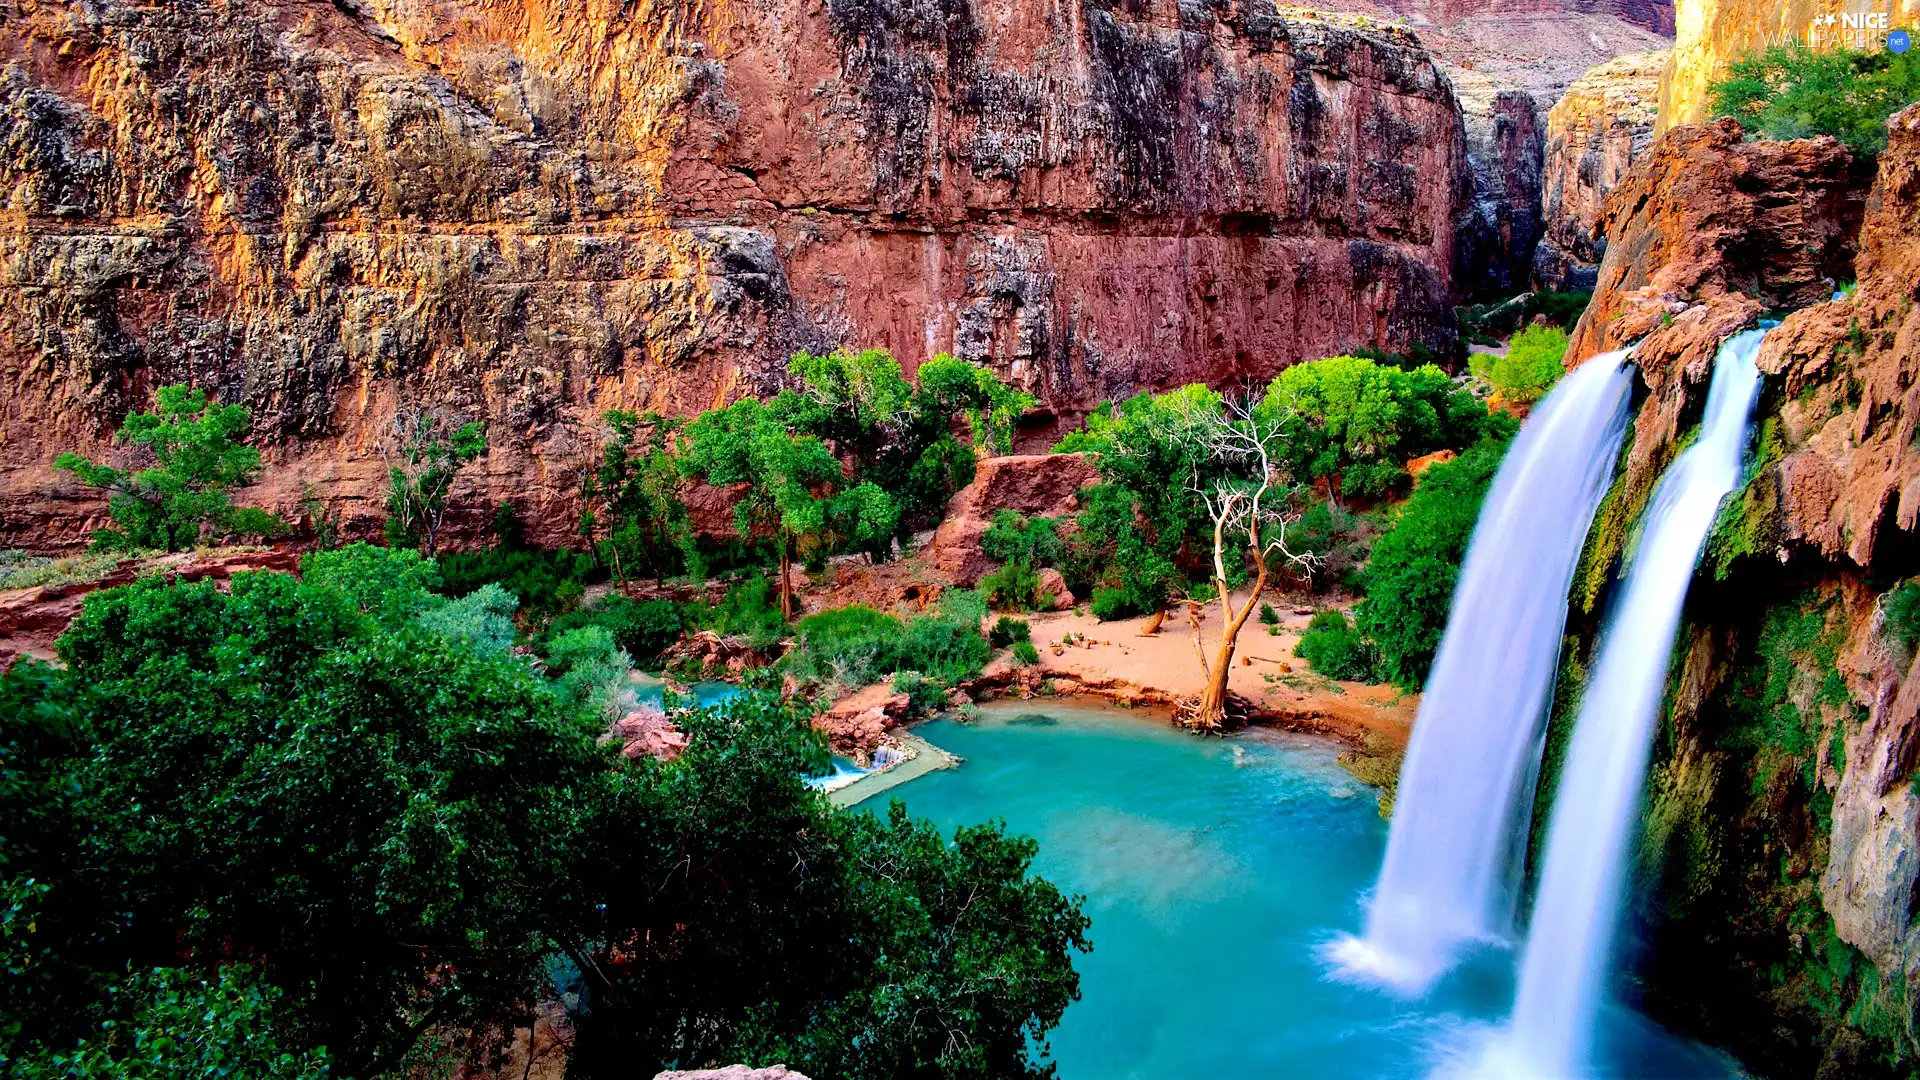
x,y
633,492
425,452
1355,423
397,833
187,1028
1411,574
789,479
1534,361
183,498
1793,92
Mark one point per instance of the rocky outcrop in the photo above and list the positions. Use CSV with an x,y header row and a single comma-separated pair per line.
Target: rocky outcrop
x,y
1502,225
1593,134
1710,34
530,213
855,725
1705,215
1782,826
1030,484
732,1072
32,619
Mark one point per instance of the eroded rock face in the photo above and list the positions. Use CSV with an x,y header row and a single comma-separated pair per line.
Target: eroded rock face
x,y
1704,215
1593,134
1029,484
1504,148
1783,826
531,213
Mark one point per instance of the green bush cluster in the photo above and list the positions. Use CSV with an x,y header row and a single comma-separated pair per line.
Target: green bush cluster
x,y
482,619
749,608
1014,587
857,645
1533,363
398,834
1410,576
589,668
546,582
1337,649
1025,654
1013,536
1486,324
1007,630
1794,92
644,628
1902,610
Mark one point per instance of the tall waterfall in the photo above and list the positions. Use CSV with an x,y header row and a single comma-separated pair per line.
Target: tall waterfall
x,y
1465,798
1570,947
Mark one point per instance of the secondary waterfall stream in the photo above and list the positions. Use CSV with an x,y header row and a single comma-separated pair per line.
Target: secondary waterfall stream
x,y
1452,868
1570,947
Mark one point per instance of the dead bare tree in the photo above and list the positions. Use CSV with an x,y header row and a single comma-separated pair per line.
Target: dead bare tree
x,y
1250,505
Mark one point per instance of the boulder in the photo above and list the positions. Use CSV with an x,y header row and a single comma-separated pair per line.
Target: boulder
x,y
647,731
1030,484
855,724
1054,584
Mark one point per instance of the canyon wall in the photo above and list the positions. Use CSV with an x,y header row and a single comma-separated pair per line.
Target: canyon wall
x,y
530,212
1710,34
1593,134
1778,866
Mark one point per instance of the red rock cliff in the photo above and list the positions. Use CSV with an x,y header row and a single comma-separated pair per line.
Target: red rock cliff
x,y
533,211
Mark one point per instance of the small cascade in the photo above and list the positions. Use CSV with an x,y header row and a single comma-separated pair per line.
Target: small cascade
x,y
1465,798
1570,946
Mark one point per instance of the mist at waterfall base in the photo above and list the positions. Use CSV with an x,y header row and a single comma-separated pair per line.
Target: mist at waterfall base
x,y
1214,871
1452,871
1570,952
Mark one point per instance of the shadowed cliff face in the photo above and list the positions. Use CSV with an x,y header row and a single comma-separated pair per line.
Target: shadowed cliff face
x,y
1593,134
1782,824
532,212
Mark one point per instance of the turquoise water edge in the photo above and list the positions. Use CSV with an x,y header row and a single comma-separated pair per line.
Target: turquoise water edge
x,y
1214,871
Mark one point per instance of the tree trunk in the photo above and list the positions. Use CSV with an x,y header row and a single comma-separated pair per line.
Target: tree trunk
x,y
786,581
1211,713
1153,622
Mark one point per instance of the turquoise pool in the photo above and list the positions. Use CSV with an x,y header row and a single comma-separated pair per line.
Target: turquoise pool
x,y
1215,870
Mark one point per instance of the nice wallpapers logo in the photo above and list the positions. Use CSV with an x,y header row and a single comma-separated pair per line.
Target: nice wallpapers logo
x,y
1863,30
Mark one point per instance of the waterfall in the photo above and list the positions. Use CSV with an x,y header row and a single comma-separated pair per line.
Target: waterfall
x,y
1465,798
1576,916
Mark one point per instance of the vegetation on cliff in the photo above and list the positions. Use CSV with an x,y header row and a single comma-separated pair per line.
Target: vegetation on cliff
x,y
403,837
1794,92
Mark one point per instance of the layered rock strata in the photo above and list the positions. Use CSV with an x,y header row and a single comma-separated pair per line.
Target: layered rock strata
x,y
530,213
1593,134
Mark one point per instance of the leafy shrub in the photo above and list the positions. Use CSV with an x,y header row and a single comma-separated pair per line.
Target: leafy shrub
x,y
589,668
1025,654
924,695
1353,418
482,619
184,1028
1013,587
394,585
950,651
1411,574
1337,649
1007,630
749,609
1268,616
1013,536
963,606
1532,365
1110,604
644,628
1793,92
20,570
1902,607
856,644
547,582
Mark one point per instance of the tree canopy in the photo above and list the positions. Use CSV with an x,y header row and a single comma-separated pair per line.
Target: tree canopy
x,y
183,498
1794,92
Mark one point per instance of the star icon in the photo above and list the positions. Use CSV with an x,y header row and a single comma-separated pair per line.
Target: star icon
x,y
1832,18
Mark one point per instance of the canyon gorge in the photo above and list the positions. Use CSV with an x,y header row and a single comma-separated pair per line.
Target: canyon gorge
x,y
529,213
